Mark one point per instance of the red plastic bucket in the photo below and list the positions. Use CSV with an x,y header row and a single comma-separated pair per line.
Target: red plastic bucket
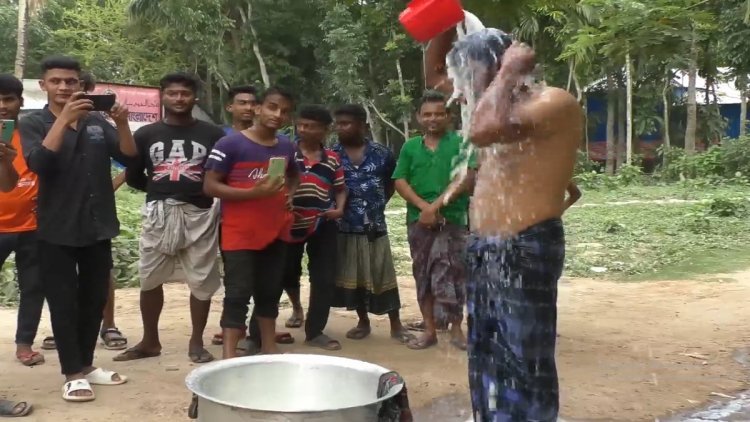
x,y
426,19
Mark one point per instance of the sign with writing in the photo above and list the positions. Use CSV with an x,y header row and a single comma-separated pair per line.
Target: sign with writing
x,y
144,103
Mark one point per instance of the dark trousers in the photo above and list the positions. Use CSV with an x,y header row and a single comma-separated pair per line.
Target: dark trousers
x,y
30,286
255,274
321,265
76,284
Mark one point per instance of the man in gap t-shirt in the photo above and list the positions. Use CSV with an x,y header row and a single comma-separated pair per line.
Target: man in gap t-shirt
x,y
180,223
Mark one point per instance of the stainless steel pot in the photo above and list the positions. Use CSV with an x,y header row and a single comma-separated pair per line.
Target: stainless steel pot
x,y
289,388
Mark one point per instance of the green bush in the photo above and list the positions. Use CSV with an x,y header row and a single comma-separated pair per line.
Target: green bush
x,y
720,163
629,175
585,165
736,157
728,207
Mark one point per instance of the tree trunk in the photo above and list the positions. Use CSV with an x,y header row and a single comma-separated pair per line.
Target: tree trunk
x,y
379,131
571,69
406,116
424,66
371,121
621,125
611,118
629,108
586,126
667,142
256,46
21,39
692,105
743,104
709,82
210,106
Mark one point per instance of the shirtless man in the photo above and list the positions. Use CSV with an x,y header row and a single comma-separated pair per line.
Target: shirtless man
x,y
529,135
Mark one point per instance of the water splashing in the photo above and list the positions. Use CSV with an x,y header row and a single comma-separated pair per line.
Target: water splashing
x,y
470,49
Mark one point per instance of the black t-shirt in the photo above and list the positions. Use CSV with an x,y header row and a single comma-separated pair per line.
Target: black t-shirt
x,y
76,203
171,159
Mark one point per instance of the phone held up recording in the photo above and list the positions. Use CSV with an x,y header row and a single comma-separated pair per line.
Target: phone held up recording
x,y
276,167
8,127
102,102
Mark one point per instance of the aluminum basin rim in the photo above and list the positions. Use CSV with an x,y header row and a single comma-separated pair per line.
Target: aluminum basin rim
x,y
194,377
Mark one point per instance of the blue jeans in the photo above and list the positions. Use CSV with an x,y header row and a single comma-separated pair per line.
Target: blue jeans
x,y
30,285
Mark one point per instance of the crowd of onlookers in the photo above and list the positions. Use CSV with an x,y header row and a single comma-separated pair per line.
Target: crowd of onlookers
x,y
259,200
245,192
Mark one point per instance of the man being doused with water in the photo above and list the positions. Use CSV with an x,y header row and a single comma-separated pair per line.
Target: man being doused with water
x,y
529,134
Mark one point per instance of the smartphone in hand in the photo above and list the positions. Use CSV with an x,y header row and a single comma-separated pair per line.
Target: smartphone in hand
x,y
276,167
103,102
8,126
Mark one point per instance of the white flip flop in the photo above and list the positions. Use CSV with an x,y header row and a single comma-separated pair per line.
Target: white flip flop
x,y
103,377
74,386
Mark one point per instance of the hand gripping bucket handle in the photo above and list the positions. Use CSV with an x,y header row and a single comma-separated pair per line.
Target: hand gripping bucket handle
x,y
395,409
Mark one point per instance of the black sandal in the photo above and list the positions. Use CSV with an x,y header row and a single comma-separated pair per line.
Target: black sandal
x,y
49,343
112,339
13,409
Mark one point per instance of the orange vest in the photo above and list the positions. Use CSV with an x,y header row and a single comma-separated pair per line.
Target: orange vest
x,y
17,207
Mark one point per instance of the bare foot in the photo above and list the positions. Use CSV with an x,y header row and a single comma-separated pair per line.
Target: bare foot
x,y
424,342
270,350
27,356
139,351
458,338
297,319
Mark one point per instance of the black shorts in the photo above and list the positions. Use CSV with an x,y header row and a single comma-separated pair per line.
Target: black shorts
x,y
252,274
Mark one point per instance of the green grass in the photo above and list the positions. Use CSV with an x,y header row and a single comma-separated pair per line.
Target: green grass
x,y
688,191
634,242
650,241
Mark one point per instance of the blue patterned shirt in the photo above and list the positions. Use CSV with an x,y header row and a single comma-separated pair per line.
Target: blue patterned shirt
x,y
369,185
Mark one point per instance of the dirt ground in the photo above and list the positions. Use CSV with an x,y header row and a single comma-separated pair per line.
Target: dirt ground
x,y
623,354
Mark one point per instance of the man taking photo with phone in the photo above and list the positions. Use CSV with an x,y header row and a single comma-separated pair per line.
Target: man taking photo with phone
x,y
70,149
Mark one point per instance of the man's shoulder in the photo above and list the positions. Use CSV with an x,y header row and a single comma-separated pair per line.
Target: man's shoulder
x,y
35,117
331,153
558,97
380,149
412,142
228,141
285,140
150,128
31,115
210,128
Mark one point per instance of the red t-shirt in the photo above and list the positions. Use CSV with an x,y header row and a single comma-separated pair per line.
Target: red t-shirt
x,y
17,207
255,223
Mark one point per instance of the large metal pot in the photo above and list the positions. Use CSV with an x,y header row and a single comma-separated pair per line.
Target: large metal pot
x,y
289,388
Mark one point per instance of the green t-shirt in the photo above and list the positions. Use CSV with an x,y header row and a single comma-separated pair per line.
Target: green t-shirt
x,y
429,174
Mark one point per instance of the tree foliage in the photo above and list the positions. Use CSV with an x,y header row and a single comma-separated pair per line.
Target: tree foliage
x,y
337,51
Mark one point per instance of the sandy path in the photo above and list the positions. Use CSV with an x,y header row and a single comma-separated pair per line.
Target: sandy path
x,y
621,354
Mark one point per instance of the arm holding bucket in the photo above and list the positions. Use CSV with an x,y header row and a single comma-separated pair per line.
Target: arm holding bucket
x,y
436,73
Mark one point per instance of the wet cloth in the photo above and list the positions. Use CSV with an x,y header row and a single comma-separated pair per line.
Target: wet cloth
x,y
438,265
176,232
512,307
366,276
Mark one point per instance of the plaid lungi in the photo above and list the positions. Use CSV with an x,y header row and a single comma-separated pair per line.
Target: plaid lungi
x,y
512,307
